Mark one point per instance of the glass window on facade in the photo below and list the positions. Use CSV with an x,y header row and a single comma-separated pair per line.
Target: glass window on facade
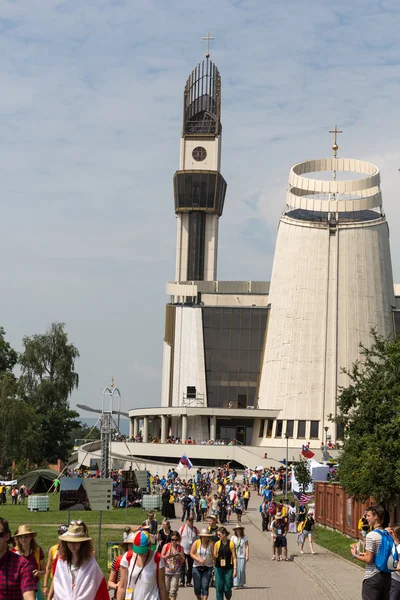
x,y
233,344
261,432
279,428
270,425
289,428
396,320
314,430
301,429
199,190
339,431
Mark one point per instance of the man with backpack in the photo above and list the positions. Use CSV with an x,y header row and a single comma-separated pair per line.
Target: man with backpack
x,y
380,554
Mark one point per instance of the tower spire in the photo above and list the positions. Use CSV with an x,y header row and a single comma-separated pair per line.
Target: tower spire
x,y
335,146
208,39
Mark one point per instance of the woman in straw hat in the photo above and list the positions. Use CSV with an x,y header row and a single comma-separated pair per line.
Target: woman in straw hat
x,y
25,545
115,572
202,553
77,575
242,553
142,574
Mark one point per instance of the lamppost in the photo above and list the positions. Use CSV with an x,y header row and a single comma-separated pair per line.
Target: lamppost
x,y
287,460
326,442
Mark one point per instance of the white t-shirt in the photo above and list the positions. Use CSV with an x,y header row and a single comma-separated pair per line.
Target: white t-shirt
x,y
372,543
188,536
240,545
145,587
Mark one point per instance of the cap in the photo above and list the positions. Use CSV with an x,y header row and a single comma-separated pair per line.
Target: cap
x,y
141,542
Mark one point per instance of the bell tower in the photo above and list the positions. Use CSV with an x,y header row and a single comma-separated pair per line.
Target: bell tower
x,y
199,188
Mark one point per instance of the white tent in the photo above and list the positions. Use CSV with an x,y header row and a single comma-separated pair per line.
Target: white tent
x,y
319,472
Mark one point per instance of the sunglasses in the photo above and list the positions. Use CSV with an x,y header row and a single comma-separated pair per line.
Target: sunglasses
x,y
174,539
76,522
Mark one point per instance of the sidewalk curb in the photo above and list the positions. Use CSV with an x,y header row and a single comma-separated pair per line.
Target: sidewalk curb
x,y
310,570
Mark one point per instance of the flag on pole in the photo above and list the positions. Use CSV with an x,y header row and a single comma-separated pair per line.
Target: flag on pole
x,y
302,498
306,452
180,466
185,461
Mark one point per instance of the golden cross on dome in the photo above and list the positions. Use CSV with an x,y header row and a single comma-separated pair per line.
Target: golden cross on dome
x,y
208,39
335,146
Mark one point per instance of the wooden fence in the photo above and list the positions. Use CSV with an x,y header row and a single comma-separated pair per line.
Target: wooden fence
x,y
336,510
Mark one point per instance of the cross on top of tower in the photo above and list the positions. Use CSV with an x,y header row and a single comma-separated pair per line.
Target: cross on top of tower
x,y
208,39
335,146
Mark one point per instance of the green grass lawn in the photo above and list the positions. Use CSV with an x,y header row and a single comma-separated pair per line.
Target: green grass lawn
x,y
47,535
336,543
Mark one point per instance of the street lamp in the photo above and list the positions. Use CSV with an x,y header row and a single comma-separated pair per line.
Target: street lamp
x,y
287,460
326,442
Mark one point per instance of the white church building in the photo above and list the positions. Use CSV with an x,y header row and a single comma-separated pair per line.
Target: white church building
x,y
260,362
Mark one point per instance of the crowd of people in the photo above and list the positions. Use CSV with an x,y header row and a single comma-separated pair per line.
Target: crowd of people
x,y
171,439
71,569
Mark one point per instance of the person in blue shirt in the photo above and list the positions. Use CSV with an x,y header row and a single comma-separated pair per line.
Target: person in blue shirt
x,y
267,494
262,482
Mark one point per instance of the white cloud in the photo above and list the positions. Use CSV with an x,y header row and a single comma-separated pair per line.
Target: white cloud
x,y
90,119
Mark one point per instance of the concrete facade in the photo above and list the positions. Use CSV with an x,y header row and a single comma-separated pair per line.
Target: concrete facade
x,y
331,284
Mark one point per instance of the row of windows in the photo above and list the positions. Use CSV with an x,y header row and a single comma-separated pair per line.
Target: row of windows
x,y
300,432
233,343
231,396
396,320
235,318
196,246
199,190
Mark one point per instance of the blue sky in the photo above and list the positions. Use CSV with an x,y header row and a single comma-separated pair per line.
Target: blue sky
x,y
90,122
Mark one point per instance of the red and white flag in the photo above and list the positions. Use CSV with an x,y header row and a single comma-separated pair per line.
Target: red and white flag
x,y
89,582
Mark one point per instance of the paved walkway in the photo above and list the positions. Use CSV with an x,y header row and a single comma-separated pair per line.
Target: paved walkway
x,y
323,576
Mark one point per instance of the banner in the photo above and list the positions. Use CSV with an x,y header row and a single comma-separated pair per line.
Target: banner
x,y
14,482
85,494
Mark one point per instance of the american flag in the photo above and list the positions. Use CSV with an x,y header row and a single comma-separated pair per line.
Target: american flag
x,y
302,498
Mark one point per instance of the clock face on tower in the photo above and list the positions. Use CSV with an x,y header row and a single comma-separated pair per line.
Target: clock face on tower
x,y
199,153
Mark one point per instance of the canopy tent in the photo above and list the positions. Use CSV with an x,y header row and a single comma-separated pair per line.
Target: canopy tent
x,y
319,472
38,481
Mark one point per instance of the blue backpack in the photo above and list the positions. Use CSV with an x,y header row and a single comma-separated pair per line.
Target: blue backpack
x,y
387,558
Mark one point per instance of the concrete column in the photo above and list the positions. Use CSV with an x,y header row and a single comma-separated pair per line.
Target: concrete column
x,y
135,426
213,428
163,428
184,429
130,428
145,432
156,427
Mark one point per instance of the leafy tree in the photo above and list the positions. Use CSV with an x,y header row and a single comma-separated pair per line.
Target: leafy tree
x,y
18,436
47,380
84,432
369,412
303,474
8,356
